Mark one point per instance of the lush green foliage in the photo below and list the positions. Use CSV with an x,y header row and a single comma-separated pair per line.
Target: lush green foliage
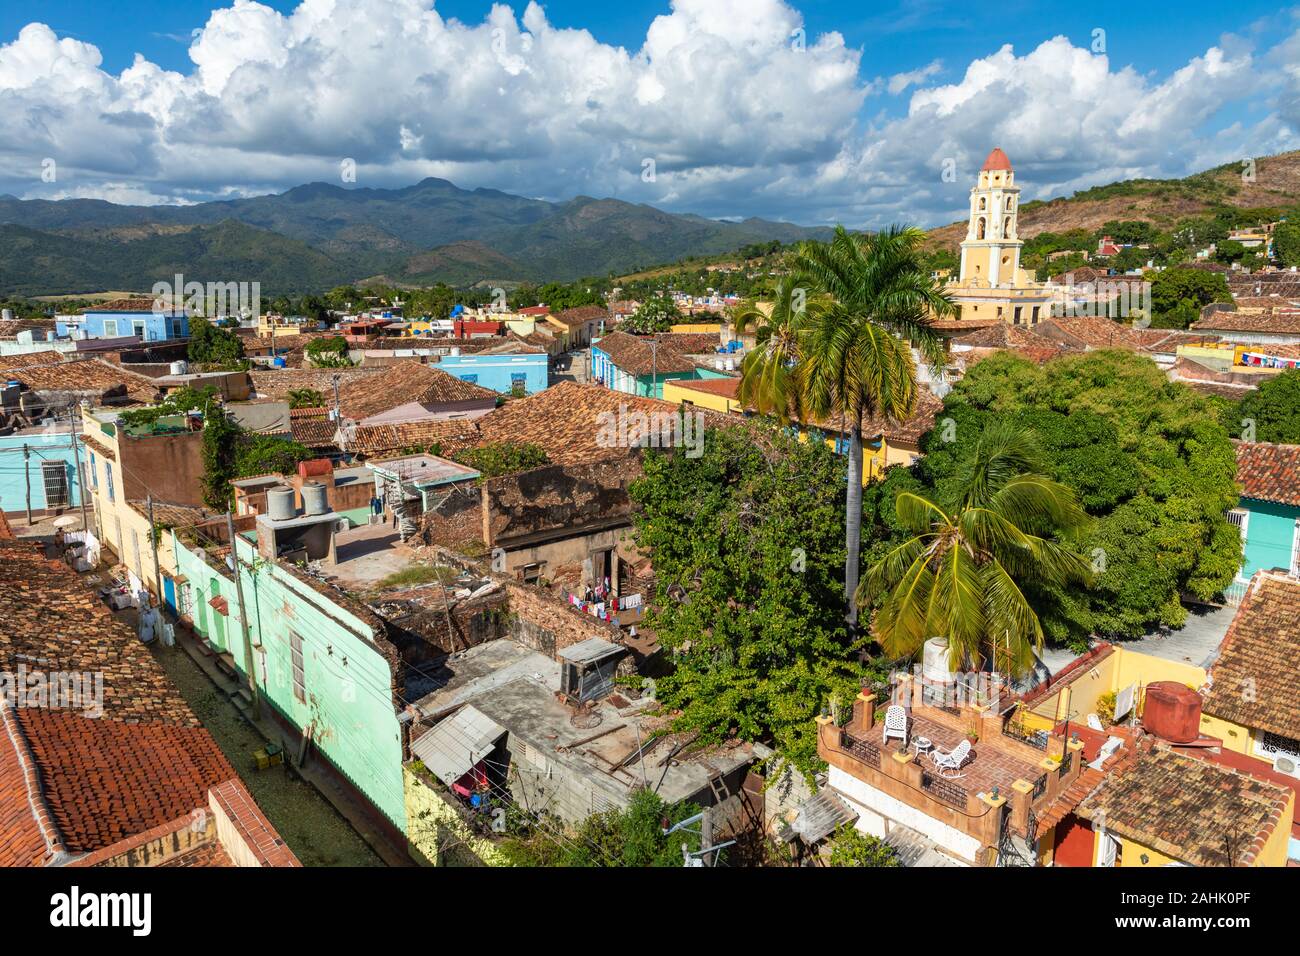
x,y
231,452
1286,240
633,837
850,848
177,402
658,314
747,546
1147,458
835,345
211,345
306,398
1273,410
1177,296
973,553
502,458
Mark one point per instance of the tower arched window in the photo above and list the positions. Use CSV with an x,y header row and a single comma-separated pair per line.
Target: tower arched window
x,y
983,203
1006,226
980,227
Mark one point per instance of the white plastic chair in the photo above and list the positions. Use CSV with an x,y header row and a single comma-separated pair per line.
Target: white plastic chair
x,y
1094,722
895,724
949,764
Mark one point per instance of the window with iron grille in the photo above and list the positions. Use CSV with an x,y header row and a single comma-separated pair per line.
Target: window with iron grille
x,y
295,659
54,475
518,384
108,480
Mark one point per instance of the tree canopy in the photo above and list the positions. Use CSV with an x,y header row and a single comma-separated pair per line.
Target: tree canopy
x,y
211,345
654,315
748,551
1147,458
1179,294
1273,411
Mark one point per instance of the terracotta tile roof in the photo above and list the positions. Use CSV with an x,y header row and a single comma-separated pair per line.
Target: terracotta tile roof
x,y
87,375
1068,800
581,315
403,383
725,387
636,356
911,428
565,420
450,435
72,782
170,515
1254,681
1003,336
49,357
142,303
278,383
1275,321
1089,332
9,328
314,431
1269,472
105,780
1189,809
690,343
53,622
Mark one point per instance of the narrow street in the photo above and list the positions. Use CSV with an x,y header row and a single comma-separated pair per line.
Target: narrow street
x,y
313,829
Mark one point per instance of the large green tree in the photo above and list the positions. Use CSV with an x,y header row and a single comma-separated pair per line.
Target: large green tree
x,y
1179,294
972,553
1270,414
211,345
1147,458
747,548
847,358
1286,242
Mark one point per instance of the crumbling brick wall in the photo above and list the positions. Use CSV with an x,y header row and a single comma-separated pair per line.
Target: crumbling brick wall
x,y
456,521
548,624
558,499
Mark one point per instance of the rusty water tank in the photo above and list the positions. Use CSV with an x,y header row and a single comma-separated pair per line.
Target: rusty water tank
x,y
1172,711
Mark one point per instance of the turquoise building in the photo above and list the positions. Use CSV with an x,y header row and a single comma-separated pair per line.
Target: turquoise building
x,y
322,663
638,366
48,467
1268,514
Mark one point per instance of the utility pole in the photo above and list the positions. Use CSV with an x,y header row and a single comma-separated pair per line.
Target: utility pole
x,y
243,619
82,490
153,540
654,368
27,476
338,415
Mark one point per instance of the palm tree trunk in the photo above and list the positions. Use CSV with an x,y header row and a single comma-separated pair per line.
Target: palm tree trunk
x,y
853,522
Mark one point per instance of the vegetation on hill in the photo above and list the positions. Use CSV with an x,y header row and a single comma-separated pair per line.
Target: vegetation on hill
x,y
1178,295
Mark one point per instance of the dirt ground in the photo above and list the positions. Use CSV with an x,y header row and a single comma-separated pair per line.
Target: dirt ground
x,y
314,830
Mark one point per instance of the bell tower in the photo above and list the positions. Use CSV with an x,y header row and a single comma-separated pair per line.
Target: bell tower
x,y
990,255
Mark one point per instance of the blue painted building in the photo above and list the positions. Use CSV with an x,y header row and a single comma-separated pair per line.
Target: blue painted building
x,y
639,366
510,373
128,317
50,466
1268,514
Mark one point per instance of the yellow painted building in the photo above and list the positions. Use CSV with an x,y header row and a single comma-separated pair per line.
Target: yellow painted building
x,y
992,286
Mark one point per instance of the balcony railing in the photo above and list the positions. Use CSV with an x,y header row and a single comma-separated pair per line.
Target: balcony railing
x,y
863,750
943,790
1035,738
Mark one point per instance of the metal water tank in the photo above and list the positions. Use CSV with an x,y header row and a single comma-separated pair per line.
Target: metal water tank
x,y
1172,711
180,367
314,499
454,351
279,504
934,661
7,315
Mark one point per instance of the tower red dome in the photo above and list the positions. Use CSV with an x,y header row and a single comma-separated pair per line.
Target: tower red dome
x,y
997,160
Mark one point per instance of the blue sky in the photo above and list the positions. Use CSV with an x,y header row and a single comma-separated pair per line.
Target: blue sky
x,y
733,122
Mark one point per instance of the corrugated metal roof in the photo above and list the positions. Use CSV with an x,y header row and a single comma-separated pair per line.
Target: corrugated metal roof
x,y
455,745
820,816
592,649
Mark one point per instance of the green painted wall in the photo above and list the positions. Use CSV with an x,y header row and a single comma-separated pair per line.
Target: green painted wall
x,y
345,685
1270,536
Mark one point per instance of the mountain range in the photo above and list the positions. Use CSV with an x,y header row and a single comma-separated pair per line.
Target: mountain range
x,y
320,235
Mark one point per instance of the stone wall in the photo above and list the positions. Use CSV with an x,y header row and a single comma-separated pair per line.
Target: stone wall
x,y
557,500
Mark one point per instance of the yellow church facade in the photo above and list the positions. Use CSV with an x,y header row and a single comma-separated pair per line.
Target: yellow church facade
x,y
991,285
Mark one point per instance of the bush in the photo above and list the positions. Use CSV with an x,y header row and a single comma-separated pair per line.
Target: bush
x,y
850,848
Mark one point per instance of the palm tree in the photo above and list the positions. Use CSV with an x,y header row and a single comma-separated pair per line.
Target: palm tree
x,y
963,572
835,346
